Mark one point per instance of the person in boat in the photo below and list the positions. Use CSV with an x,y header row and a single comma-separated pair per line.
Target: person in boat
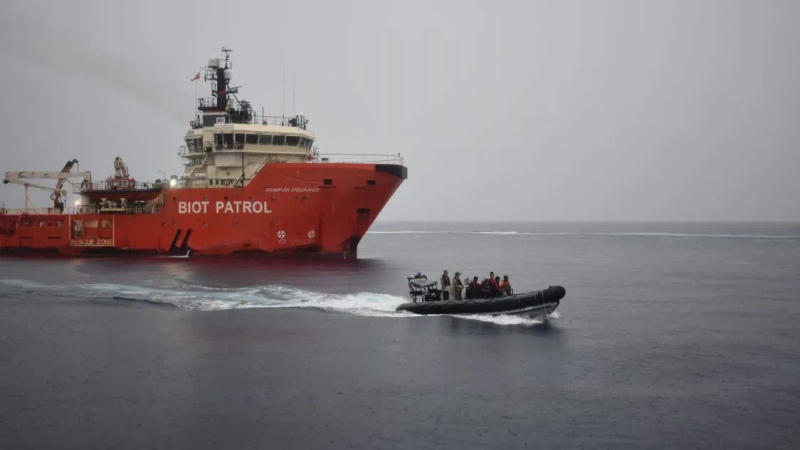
x,y
505,286
479,292
494,281
486,289
445,283
457,286
474,289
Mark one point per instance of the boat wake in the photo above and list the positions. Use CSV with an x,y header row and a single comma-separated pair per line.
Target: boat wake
x,y
503,319
206,298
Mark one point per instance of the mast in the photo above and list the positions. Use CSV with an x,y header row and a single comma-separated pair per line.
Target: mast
x,y
223,101
219,73
223,76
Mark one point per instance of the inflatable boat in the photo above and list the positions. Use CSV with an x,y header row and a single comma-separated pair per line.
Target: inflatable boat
x,y
426,299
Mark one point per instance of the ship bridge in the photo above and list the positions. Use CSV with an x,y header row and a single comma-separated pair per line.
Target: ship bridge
x,y
227,154
229,143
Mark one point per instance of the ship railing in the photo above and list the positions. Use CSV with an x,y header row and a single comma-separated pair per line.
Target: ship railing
x,y
83,209
116,209
297,121
29,211
106,186
373,158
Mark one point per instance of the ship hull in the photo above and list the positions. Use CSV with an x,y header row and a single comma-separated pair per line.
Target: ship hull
x,y
314,209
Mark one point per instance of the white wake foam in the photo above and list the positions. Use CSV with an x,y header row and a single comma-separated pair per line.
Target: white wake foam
x,y
502,319
505,319
211,298
22,284
208,298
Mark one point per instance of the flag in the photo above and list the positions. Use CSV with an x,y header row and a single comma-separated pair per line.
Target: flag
x,y
196,77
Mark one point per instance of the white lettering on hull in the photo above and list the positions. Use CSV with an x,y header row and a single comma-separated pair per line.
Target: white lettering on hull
x,y
220,207
193,207
291,189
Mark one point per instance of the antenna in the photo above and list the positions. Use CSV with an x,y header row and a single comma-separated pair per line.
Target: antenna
x,y
227,52
294,93
283,94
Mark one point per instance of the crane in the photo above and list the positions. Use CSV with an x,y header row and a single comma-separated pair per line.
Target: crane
x,y
58,192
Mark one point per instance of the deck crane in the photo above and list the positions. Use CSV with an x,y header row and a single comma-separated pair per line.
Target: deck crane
x,y
58,192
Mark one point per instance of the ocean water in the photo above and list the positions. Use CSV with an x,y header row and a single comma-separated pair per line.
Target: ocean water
x,y
670,335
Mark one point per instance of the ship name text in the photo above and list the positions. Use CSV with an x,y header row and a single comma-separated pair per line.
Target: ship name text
x,y
220,207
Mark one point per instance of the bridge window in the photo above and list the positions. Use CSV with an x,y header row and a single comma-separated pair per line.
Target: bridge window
x,y
218,141
292,140
265,139
278,140
239,140
194,144
252,139
228,137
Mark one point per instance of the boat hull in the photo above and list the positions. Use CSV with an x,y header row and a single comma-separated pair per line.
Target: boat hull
x,y
530,303
317,209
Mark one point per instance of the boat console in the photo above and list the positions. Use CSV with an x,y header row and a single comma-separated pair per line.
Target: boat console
x,y
422,289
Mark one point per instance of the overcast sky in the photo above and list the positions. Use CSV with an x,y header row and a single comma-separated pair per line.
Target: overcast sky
x,y
541,111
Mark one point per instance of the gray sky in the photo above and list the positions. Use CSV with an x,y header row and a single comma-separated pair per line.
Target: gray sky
x,y
543,111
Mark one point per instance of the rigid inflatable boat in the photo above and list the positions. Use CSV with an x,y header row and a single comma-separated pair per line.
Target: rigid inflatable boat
x,y
426,299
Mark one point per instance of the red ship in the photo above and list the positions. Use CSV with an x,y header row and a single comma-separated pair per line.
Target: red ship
x,y
252,183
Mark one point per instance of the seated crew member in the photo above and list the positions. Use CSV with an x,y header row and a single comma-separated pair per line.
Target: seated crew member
x,y
457,286
489,287
494,281
486,289
505,286
496,286
445,283
474,289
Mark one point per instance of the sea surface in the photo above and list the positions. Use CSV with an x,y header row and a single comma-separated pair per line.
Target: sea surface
x,y
670,335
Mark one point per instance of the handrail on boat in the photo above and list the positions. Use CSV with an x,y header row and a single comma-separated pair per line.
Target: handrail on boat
x,y
358,158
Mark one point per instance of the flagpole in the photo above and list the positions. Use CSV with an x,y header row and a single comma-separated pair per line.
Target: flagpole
x,y
194,79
